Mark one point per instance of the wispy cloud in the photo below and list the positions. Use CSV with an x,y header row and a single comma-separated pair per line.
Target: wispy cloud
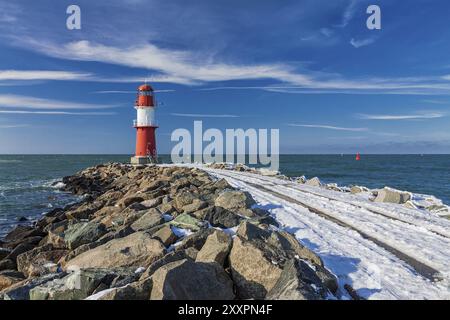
x,y
320,126
58,113
128,92
12,126
26,102
422,116
349,12
362,42
42,75
193,115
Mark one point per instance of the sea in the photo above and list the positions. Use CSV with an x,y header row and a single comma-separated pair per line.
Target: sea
x,y
29,184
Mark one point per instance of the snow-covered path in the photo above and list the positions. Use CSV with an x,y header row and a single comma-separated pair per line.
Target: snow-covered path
x,y
383,251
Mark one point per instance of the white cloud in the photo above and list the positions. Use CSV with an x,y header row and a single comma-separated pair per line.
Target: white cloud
x,y
12,126
187,68
58,113
320,126
42,75
193,115
432,115
17,101
361,43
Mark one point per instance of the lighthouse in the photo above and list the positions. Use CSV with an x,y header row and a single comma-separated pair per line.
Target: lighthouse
x,y
145,126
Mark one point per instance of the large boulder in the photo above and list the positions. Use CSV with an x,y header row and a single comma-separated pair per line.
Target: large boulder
x,y
294,283
216,248
222,218
187,280
236,201
392,196
83,233
253,271
186,221
165,235
138,249
75,286
315,182
150,219
39,261
21,290
9,277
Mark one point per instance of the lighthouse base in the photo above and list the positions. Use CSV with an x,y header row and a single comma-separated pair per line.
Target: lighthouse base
x,y
141,160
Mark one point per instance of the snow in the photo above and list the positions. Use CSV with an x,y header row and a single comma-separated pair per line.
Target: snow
x,y
372,270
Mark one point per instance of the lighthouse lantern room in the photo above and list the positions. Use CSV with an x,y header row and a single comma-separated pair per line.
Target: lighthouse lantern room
x,y
145,126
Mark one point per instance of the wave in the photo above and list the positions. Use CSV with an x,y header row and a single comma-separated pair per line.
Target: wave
x,y
10,161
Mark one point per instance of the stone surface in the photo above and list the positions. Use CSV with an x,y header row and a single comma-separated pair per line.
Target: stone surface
x,y
216,248
139,290
392,196
165,235
315,182
9,277
234,201
186,221
137,249
150,219
83,233
253,272
39,261
187,280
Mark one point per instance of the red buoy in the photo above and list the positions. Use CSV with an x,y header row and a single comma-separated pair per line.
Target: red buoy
x,y
358,157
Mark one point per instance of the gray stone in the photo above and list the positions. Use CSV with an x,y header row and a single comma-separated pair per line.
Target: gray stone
x,y
165,235
186,221
152,218
138,250
216,248
187,280
83,233
392,196
315,182
234,201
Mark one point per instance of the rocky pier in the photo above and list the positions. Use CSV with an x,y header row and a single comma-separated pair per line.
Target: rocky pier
x,y
158,232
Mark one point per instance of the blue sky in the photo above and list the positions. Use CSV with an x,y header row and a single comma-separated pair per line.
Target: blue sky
x,y
310,68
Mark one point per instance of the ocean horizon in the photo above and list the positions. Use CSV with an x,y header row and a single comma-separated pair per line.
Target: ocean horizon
x,y
29,183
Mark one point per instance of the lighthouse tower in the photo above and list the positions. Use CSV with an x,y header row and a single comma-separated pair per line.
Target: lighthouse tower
x,y
145,126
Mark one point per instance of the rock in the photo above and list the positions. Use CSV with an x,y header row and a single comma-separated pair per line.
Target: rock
x,y
291,286
39,261
315,182
152,202
186,221
152,218
21,290
183,198
252,270
126,201
187,280
196,205
75,286
21,248
168,258
166,208
7,264
196,240
268,172
356,189
9,277
392,196
139,290
85,210
83,233
301,180
250,231
22,219
4,253
138,250
216,248
22,232
222,218
235,201
165,235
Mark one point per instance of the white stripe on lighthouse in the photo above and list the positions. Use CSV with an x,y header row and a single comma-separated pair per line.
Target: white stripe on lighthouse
x,y
146,117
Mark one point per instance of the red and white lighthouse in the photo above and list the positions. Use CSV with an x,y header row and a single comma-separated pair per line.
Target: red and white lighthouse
x,y
145,125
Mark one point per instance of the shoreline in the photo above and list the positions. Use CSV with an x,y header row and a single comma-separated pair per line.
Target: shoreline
x,y
128,228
